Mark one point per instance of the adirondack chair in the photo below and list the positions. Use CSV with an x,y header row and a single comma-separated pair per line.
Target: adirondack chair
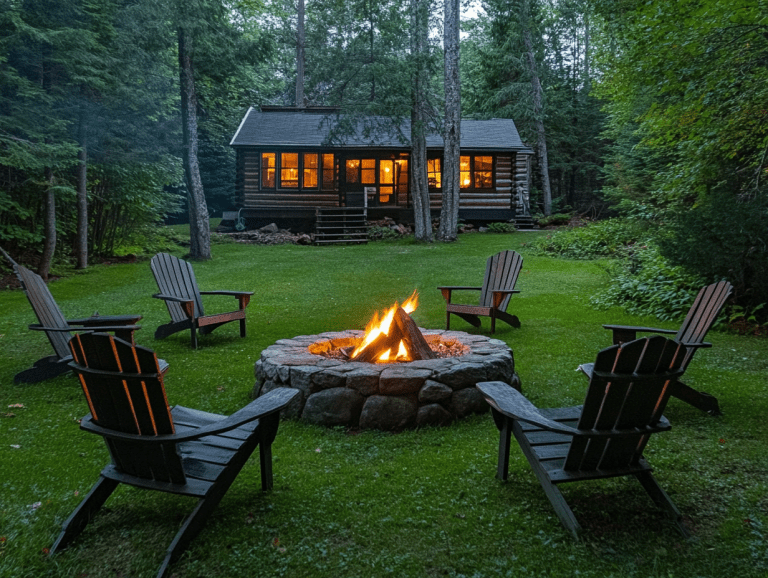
x,y
702,314
603,438
177,450
58,329
178,288
501,272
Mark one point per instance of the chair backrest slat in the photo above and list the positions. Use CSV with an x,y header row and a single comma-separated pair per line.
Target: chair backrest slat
x,y
629,388
125,393
46,309
501,272
176,277
703,313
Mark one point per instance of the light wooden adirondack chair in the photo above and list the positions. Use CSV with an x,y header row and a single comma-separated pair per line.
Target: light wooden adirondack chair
x,y
58,329
178,288
152,446
702,314
501,272
605,437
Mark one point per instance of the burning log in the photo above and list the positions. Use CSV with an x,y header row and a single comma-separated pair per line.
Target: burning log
x,y
404,332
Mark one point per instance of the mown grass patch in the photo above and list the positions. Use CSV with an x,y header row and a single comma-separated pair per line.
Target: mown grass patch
x,y
350,504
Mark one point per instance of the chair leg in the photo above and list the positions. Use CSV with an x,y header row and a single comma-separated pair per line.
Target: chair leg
x,y
79,519
505,437
191,528
194,335
556,498
242,327
447,320
698,399
660,497
267,432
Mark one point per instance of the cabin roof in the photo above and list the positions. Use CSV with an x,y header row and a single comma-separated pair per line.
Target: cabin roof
x,y
313,129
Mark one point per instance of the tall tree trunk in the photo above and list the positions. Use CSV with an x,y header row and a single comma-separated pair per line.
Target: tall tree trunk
x,y
300,42
449,210
49,243
199,227
538,114
81,237
419,182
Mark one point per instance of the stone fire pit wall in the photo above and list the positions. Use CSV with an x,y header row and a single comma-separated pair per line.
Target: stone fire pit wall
x,y
390,396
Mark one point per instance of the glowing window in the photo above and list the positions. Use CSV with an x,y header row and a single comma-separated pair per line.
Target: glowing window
x,y
434,173
483,169
368,172
310,171
268,170
289,170
329,172
464,173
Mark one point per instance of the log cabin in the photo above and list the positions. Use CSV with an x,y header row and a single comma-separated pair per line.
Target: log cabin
x,y
292,162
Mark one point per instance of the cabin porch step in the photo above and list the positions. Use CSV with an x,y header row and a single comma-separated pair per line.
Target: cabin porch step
x,y
340,225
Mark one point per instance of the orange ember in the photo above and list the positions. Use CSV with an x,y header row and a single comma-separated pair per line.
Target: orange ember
x,y
378,326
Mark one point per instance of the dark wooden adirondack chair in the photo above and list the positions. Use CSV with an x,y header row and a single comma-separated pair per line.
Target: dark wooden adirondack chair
x,y
178,288
58,329
702,314
603,438
177,450
501,272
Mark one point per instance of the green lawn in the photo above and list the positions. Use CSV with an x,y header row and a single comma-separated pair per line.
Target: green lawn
x,y
420,503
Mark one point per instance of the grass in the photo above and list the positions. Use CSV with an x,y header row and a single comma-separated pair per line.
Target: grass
x,y
420,503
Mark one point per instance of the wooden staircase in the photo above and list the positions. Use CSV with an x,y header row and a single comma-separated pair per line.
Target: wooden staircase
x,y
340,225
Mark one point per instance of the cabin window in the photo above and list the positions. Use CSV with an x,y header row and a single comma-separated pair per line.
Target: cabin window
x,y
368,172
434,174
483,172
353,171
289,170
476,172
386,180
329,172
464,173
310,171
268,170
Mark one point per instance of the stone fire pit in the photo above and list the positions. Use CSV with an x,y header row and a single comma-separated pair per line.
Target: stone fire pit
x,y
384,396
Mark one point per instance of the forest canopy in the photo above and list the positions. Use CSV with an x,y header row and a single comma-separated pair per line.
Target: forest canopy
x,y
652,111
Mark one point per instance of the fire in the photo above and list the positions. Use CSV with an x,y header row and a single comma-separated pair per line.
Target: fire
x,y
381,325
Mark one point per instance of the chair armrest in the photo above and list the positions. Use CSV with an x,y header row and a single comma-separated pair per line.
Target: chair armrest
x,y
97,320
38,327
234,293
499,294
243,297
188,305
272,402
507,400
624,333
446,290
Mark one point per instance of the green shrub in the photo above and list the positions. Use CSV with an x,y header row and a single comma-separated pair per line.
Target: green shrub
x,y
501,228
647,284
609,238
556,220
379,233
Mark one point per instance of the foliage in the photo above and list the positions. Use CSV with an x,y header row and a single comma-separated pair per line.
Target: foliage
x,y
647,284
686,85
556,220
382,233
609,238
722,237
350,504
501,228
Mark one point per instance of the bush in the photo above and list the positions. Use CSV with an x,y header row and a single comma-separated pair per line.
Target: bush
x,y
501,228
647,284
609,238
724,237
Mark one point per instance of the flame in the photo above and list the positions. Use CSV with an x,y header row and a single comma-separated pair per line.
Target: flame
x,y
378,325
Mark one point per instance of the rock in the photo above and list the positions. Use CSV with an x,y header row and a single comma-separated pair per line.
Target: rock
x,y
433,414
434,391
332,407
389,413
467,401
271,228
